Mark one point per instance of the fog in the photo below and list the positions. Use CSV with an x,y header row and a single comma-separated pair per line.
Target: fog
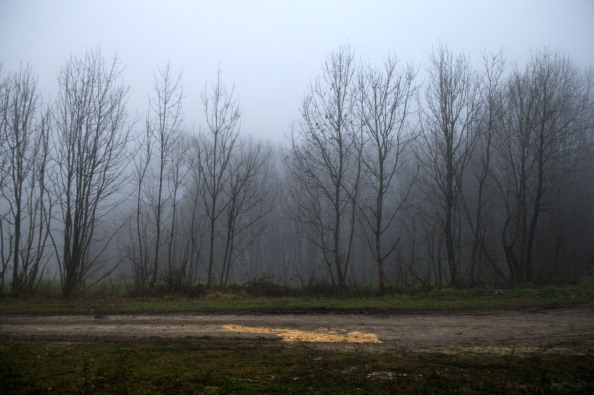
x,y
383,144
272,50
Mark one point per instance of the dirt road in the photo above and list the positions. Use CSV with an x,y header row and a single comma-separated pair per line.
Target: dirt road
x,y
566,329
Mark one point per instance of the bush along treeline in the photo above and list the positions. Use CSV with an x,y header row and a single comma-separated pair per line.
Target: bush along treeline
x,y
477,173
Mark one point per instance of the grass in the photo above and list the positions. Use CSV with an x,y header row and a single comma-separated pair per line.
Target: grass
x,y
218,301
231,367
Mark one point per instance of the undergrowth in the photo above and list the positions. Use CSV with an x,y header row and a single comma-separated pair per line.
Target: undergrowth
x,y
226,367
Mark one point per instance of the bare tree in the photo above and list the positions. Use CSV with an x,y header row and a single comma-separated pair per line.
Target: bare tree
x,y
217,146
193,217
544,112
178,274
5,259
385,105
451,105
138,249
249,202
165,130
479,203
90,151
326,163
157,170
25,225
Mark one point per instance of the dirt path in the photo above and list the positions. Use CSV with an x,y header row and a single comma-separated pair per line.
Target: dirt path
x,y
568,330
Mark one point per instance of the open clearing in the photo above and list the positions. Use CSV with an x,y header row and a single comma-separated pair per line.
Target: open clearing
x,y
568,330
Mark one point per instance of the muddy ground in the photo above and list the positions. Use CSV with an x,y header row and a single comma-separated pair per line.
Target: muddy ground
x,y
562,329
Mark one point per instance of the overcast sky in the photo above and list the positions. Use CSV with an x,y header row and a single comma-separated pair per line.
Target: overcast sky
x,y
270,50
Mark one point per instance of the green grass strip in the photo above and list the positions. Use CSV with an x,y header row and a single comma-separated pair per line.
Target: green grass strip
x,y
436,300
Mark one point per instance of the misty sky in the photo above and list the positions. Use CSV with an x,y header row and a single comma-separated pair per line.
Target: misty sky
x,y
271,50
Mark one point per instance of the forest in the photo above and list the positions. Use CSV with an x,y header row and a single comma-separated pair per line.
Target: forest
x,y
460,172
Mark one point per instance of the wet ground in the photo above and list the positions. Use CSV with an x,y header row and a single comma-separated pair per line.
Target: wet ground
x,y
561,329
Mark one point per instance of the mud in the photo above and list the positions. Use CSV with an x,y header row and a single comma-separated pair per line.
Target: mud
x,y
564,329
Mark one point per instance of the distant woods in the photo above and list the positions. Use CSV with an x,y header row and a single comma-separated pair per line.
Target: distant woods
x,y
460,173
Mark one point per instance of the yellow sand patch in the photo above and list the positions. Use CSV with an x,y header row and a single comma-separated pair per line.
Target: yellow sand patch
x,y
320,335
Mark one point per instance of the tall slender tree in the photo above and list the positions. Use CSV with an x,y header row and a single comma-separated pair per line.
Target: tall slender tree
x,y
479,201
385,100
217,147
326,163
157,167
448,121
545,114
250,200
164,126
24,131
90,154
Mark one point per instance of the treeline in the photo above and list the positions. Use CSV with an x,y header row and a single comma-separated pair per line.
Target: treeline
x,y
470,175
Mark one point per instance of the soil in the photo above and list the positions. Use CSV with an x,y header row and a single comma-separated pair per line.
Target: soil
x,y
562,329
